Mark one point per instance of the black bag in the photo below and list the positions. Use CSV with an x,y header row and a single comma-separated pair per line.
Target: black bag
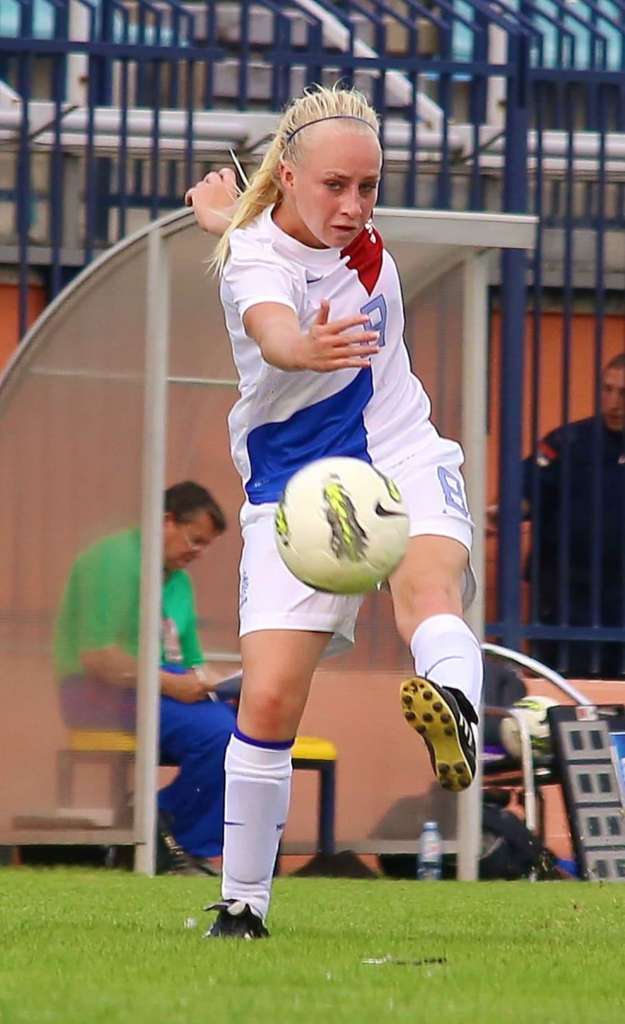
x,y
509,850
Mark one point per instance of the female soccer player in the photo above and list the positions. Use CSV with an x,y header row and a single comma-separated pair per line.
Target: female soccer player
x,y
313,308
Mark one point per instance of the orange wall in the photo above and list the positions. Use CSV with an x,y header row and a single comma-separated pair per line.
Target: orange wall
x,y
9,302
550,392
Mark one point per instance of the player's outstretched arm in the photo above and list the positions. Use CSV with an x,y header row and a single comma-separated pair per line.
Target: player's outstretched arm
x,y
213,199
327,346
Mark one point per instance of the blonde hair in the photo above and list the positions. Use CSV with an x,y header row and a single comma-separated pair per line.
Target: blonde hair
x,y
317,104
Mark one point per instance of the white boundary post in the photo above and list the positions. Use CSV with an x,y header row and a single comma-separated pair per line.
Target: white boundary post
x,y
474,414
153,482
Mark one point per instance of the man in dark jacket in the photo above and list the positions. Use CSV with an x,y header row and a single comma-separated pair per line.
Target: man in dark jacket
x,y
574,491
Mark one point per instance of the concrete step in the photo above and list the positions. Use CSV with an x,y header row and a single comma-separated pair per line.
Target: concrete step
x,y
260,75
262,25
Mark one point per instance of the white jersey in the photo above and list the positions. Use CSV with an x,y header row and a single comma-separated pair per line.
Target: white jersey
x,y
284,420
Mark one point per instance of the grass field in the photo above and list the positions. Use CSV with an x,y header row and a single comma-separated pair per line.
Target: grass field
x,y
83,946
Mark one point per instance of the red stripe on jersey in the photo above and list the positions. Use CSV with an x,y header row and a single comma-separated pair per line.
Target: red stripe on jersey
x,y
364,255
547,451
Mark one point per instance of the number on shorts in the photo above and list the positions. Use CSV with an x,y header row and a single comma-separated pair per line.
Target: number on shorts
x,y
453,491
376,311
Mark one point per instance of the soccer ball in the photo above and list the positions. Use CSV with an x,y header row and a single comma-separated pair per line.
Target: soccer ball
x,y
341,526
534,710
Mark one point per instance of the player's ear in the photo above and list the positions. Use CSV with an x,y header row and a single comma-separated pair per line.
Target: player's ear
x,y
285,173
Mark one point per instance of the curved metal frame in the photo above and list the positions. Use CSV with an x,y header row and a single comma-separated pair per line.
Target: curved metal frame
x,y
527,757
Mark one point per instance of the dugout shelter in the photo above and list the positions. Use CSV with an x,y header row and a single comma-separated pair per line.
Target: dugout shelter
x,y
121,388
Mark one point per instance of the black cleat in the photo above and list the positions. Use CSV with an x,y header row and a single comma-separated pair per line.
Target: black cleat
x,y
235,920
447,722
171,859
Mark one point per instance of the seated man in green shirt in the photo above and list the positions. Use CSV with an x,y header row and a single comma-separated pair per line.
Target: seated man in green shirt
x,y
95,652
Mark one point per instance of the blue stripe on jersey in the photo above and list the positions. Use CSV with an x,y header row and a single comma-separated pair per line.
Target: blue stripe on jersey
x,y
333,426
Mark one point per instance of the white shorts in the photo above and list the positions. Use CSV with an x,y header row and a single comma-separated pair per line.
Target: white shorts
x,y
270,597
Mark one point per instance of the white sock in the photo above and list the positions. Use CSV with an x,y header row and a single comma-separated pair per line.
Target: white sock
x,y
258,787
447,652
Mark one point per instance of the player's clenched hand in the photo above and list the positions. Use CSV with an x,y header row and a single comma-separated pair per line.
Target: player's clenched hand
x,y
337,344
212,200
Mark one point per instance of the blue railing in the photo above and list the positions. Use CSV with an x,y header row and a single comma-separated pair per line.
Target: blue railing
x,y
577,193
486,104
585,35
166,56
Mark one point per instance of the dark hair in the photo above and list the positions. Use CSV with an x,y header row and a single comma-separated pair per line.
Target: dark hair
x,y
616,363
184,500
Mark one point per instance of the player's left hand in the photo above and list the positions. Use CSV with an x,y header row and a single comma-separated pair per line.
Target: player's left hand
x,y
337,344
212,200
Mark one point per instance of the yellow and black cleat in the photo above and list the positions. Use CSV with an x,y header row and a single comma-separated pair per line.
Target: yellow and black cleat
x,y
445,719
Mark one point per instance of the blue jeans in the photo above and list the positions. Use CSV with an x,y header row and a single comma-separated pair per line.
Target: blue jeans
x,y
192,736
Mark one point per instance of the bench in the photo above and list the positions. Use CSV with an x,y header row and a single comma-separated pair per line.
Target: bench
x,y
116,750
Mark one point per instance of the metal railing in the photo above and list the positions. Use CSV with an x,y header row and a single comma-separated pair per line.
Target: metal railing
x,y
110,108
108,114
576,176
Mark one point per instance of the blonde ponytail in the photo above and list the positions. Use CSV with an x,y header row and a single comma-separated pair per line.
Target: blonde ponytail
x,y
317,104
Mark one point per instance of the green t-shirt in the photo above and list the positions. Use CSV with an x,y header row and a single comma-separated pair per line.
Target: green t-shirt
x,y
100,607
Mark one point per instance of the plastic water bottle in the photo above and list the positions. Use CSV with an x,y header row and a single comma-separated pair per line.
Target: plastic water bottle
x,y
430,858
